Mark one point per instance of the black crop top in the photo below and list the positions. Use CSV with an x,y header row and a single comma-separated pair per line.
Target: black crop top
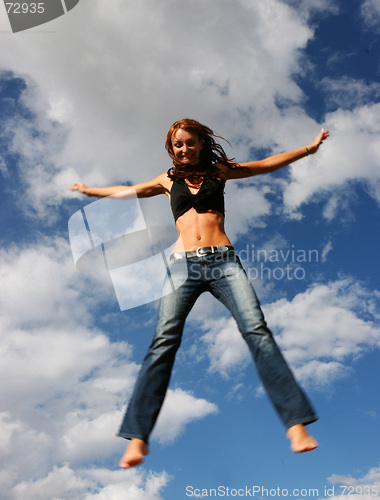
x,y
209,197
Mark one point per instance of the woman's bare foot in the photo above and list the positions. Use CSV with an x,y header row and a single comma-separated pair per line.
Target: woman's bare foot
x,y
300,439
134,454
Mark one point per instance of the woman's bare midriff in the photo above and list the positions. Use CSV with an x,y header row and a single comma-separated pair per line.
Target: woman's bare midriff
x,y
200,229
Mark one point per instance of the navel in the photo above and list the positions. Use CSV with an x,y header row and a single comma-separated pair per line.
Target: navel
x,y
199,237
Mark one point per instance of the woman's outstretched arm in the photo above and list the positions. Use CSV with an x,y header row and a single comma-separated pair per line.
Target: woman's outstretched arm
x,y
274,162
158,185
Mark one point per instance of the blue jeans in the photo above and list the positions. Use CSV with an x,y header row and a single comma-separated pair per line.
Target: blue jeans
x,y
223,275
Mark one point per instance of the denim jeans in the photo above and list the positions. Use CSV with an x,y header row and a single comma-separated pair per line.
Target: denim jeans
x,y
223,275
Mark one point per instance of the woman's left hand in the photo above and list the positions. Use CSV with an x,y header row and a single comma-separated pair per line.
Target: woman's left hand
x,y
313,147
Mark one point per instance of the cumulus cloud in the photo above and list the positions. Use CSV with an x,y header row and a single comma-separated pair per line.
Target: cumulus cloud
x,y
40,285
178,410
60,370
351,154
320,331
225,347
110,125
325,327
360,488
101,484
67,382
246,208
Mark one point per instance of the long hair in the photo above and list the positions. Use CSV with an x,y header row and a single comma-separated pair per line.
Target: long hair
x,y
210,154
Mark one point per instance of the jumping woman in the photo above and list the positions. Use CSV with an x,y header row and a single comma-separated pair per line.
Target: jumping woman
x,y
195,188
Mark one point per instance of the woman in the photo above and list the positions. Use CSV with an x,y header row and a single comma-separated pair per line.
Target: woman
x,y
195,187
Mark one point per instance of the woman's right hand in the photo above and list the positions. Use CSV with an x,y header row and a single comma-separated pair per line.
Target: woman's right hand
x,y
79,186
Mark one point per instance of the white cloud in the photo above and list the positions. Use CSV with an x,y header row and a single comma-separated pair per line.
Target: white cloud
x,y
90,433
245,208
225,347
331,207
35,444
352,153
325,327
320,331
370,11
114,100
326,250
348,93
40,285
101,484
101,115
359,488
180,408
67,383
309,7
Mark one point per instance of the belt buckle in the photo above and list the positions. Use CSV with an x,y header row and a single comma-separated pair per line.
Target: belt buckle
x,y
197,252
200,254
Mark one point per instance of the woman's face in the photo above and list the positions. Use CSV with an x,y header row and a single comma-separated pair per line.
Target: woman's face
x,y
186,146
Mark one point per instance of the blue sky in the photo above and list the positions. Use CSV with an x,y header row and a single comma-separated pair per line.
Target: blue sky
x,y
89,97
